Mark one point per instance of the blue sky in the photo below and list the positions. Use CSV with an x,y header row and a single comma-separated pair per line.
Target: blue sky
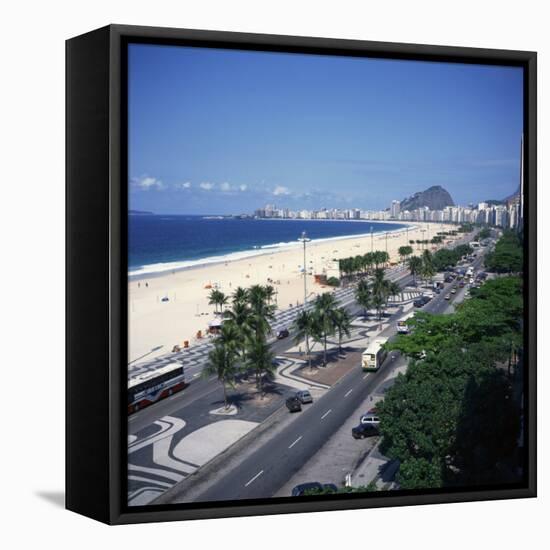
x,y
221,132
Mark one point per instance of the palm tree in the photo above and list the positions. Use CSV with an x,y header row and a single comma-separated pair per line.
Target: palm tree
x,y
415,266
213,298
342,324
380,291
223,359
303,325
260,358
363,295
262,312
240,315
323,326
240,295
217,298
404,251
393,289
428,269
269,293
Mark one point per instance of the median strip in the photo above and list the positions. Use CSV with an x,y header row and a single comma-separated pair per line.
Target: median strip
x,y
254,478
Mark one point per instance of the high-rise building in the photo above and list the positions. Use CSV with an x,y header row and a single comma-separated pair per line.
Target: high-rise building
x,y
395,209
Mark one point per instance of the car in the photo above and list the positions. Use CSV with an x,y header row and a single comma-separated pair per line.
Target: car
x,y
453,290
303,488
448,297
461,285
293,404
283,333
370,417
364,430
418,303
437,291
304,396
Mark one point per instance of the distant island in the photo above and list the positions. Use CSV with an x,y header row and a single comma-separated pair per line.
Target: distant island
x,y
140,213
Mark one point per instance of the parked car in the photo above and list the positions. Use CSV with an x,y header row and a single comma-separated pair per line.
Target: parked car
x,y
304,396
282,334
293,404
370,417
448,297
364,430
301,489
453,290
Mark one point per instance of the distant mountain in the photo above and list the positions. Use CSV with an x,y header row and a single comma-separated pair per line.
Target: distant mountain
x,y
514,197
140,213
435,198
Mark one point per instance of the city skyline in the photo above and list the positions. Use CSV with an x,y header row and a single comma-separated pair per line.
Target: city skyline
x,y
221,132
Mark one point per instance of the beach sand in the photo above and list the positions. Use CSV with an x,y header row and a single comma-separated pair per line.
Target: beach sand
x,y
159,325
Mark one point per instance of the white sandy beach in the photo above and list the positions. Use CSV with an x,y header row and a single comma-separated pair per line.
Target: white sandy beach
x,y
154,323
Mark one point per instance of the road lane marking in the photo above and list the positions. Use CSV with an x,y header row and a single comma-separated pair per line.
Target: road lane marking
x,y
196,374
326,414
349,391
364,377
292,444
254,478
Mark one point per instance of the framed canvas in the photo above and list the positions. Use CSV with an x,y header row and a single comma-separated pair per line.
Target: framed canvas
x,y
301,274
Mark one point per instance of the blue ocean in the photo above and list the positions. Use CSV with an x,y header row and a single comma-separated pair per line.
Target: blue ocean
x,y
165,243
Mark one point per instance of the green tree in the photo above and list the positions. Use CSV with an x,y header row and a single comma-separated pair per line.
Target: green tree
x,y
260,358
363,296
342,325
323,320
304,326
217,299
404,252
415,266
222,359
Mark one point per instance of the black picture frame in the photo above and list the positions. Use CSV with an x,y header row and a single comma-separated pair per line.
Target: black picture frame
x,y
96,269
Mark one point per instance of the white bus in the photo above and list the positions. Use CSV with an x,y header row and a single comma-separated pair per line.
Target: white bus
x,y
148,387
374,355
402,326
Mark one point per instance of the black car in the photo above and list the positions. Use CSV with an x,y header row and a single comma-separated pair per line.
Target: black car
x,y
364,430
422,301
293,404
282,334
301,489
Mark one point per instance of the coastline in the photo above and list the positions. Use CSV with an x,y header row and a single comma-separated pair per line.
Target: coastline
x,y
156,270
170,307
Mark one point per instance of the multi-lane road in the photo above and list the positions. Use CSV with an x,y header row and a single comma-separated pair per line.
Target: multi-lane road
x,y
272,464
265,471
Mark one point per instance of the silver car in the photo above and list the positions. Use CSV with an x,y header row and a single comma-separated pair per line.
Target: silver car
x,y
304,396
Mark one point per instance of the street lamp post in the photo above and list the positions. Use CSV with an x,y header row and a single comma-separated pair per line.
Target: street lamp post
x,y
371,241
304,239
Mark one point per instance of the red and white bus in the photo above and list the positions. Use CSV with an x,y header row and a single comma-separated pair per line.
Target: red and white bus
x,y
147,388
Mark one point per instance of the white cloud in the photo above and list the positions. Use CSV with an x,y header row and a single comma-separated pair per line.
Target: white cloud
x,y
225,186
147,182
184,185
281,190
207,186
243,187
